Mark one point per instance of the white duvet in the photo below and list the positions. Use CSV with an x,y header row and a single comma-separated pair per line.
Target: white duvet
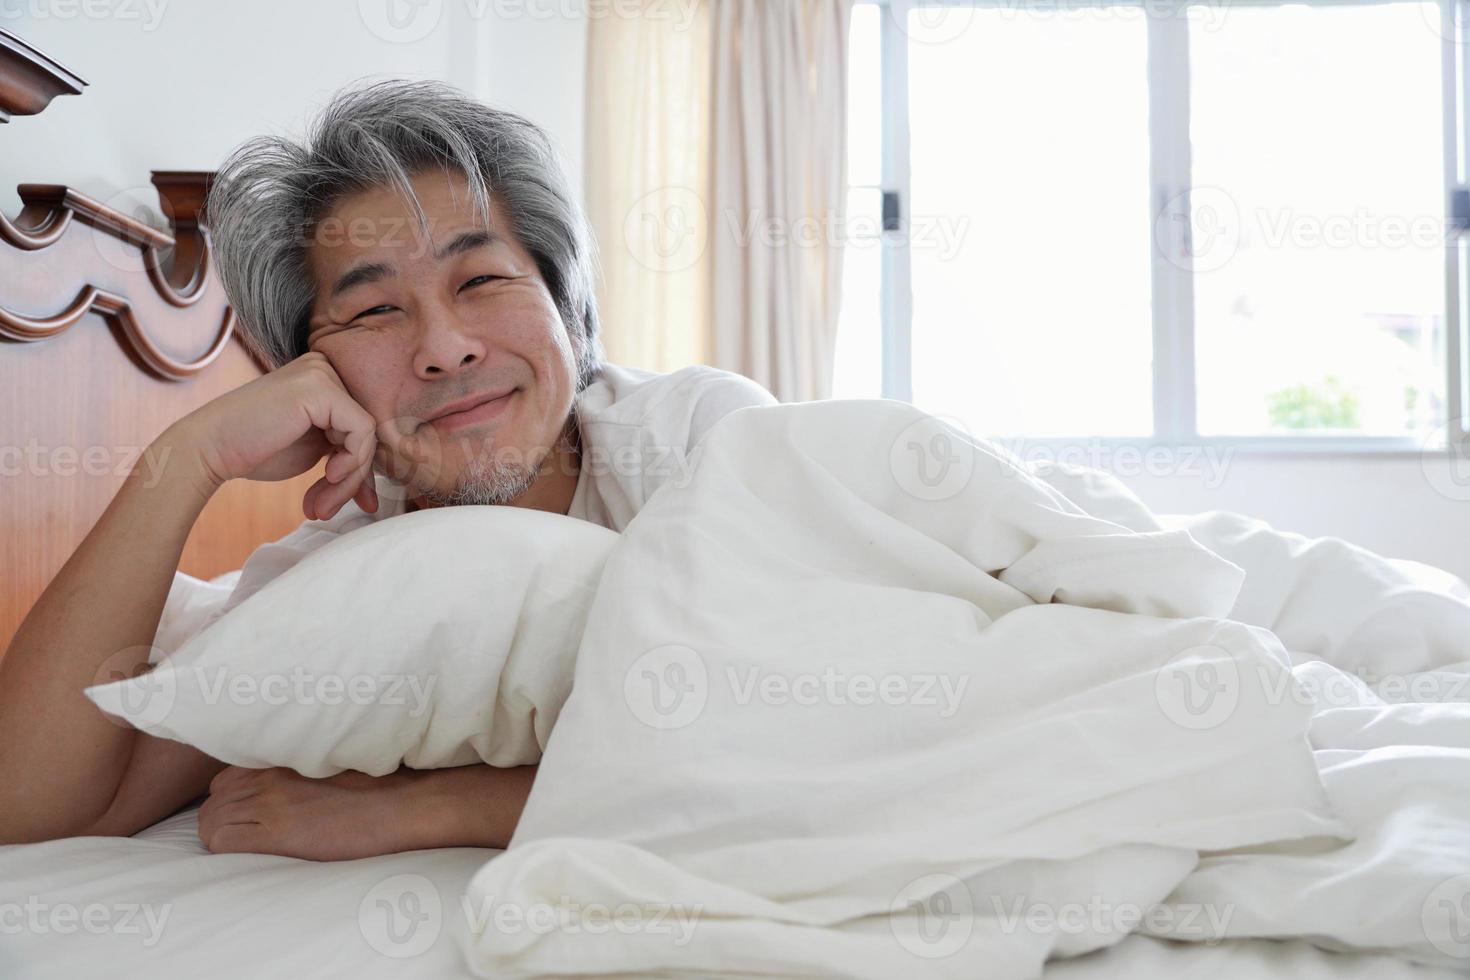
x,y
1381,651
862,698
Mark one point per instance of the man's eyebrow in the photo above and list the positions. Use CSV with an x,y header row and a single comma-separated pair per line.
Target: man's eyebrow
x,y
358,275
467,241
374,271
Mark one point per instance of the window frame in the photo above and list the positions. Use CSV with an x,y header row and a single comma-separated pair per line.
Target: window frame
x,y
1175,398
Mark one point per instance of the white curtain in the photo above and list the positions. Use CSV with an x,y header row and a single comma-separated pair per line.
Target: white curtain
x,y
716,175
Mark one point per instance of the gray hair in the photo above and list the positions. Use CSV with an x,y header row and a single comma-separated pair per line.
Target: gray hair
x,y
270,194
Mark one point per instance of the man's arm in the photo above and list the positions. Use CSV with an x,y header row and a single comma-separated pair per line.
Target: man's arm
x,y
351,815
61,760
67,769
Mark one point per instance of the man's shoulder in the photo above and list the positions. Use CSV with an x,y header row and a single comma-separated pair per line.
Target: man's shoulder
x,y
697,395
640,428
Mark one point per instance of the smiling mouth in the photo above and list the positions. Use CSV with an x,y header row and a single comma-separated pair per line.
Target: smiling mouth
x,y
474,413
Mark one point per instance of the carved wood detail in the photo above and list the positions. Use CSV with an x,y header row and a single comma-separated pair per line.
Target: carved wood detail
x,y
30,79
158,288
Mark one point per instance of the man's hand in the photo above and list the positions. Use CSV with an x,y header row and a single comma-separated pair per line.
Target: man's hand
x,y
279,426
352,815
278,811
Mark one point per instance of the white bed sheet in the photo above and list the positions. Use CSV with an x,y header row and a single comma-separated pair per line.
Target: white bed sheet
x,y
170,910
242,917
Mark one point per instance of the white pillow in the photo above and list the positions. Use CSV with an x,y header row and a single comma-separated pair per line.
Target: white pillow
x,y
191,604
438,638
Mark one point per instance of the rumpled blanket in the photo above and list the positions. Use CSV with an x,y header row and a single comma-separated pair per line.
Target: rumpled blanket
x,y
865,697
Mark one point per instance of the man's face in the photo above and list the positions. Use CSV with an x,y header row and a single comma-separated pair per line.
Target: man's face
x,y
450,340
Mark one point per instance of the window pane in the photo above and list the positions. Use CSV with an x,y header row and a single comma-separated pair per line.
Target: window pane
x,y
859,355
1030,234
1317,218
858,367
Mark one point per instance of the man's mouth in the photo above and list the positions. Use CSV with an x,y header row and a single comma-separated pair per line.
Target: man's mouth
x,y
472,410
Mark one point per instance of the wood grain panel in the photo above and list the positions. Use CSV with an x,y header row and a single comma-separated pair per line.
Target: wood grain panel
x,y
74,411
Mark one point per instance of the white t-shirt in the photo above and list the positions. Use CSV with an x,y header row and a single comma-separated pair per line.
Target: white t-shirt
x,y
638,429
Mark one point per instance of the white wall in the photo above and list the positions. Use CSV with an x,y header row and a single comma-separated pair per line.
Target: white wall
x,y
537,65
177,84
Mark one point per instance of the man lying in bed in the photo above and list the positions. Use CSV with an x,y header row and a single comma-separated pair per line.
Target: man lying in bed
x,y
421,276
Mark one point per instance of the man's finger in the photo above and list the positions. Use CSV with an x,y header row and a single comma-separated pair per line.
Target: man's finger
x,y
367,495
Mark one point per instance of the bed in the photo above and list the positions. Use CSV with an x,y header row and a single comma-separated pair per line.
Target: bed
x,y
112,329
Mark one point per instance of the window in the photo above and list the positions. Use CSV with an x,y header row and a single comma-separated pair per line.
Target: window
x,y
1325,308
1125,222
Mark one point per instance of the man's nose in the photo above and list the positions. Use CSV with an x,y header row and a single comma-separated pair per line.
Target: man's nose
x,y
445,347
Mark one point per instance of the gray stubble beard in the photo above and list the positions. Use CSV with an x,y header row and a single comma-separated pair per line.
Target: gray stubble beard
x,y
486,480
491,481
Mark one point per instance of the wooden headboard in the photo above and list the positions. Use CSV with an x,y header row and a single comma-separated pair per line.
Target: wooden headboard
x,y
109,331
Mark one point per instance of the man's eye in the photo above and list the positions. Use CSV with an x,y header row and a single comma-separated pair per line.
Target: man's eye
x,y
374,311
477,281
